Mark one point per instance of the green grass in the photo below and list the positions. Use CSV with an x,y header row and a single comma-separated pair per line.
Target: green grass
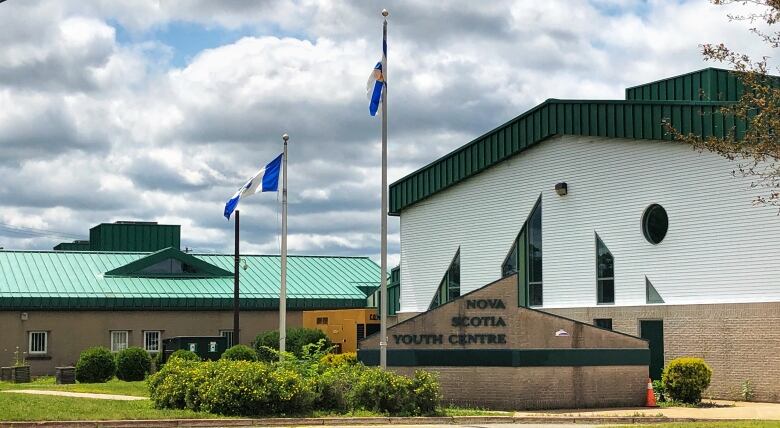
x,y
24,407
724,424
115,386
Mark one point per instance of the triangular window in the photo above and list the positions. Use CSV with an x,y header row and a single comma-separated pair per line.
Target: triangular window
x,y
449,288
605,273
525,259
652,293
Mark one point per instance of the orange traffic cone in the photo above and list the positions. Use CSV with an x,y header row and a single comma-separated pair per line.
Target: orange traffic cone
x,y
650,394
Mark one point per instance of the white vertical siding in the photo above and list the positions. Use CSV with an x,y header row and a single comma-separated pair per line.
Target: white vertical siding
x,y
718,248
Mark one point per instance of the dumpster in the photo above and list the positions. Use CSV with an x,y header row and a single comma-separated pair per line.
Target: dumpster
x,y
206,347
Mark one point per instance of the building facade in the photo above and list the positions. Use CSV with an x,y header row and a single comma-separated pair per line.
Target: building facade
x,y
607,221
55,304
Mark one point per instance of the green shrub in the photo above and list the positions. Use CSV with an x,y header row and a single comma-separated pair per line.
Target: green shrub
x,y
684,379
296,339
133,364
658,390
240,353
426,391
383,391
95,365
177,384
347,358
334,386
184,354
244,388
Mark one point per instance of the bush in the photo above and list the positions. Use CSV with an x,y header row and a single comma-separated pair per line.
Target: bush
x,y
184,354
95,365
243,388
658,390
240,353
383,391
177,384
334,386
684,379
426,391
347,358
133,364
297,338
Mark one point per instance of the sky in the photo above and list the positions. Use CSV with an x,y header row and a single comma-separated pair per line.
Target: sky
x,y
158,110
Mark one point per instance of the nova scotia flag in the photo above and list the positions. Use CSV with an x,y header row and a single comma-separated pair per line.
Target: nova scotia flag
x,y
376,83
266,180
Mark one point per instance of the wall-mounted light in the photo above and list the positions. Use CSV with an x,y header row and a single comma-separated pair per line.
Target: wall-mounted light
x,y
561,333
24,316
561,189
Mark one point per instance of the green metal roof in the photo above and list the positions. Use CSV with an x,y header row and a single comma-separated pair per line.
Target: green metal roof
x,y
709,84
58,280
635,118
134,236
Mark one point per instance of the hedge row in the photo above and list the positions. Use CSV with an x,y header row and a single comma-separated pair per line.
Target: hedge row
x,y
98,364
292,387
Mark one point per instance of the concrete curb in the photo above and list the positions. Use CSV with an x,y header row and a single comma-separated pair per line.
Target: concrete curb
x,y
445,420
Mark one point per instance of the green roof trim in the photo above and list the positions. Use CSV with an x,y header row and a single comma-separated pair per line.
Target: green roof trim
x,y
58,280
634,119
201,268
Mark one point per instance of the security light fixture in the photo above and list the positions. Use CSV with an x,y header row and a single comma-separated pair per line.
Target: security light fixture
x,y
561,189
561,333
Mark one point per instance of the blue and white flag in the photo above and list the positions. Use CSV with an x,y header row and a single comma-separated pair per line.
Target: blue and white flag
x,y
266,180
376,83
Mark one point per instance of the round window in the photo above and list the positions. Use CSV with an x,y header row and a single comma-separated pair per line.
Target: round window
x,y
655,223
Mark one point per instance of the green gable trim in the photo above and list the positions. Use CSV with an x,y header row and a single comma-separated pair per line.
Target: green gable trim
x,y
508,357
135,268
598,118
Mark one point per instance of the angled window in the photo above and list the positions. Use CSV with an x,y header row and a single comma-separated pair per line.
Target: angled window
x,y
605,273
525,259
651,293
509,267
449,288
535,256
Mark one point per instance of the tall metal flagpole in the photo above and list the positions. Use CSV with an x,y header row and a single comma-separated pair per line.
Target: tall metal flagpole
x,y
236,334
283,288
383,262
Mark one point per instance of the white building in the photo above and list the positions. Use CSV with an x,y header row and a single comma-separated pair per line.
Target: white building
x,y
608,221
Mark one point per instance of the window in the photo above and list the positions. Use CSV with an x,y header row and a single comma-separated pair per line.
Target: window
x,y
322,320
655,223
229,335
535,256
119,339
605,323
605,273
152,340
39,341
651,294
525,259
449,288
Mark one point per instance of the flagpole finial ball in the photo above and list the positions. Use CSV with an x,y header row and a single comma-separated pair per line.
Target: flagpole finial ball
x,y
385,12
285,137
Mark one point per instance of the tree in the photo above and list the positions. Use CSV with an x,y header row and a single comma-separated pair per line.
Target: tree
x,y
757,152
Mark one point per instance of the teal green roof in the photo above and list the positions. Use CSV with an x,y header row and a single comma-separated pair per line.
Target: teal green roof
x,y
640,116
60,280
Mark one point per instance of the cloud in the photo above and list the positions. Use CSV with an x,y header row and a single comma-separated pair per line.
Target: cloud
x,y
97,125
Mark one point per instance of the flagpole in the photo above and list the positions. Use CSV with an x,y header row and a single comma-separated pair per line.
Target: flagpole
x,y
383,262
283,288
236,334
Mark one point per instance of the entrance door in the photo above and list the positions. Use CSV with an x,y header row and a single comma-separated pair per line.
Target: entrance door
x,y
653,331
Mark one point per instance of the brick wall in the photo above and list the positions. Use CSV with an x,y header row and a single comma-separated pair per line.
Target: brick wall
x,y
738,341
524,387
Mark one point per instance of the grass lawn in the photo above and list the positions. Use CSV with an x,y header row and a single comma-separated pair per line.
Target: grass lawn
x,y
114,386
23,407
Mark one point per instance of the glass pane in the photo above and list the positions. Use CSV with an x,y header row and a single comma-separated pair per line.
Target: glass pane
x,y
510,264
655,224
535,294
535,246
605,263
453,279
606,291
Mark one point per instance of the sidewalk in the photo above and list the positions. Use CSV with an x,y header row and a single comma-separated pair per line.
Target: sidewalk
x,y
76,394
720,410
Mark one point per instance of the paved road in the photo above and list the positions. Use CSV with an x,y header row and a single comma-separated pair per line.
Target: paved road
x,y
474,426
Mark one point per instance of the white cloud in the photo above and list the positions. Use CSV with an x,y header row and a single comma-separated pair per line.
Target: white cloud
x,y
93,129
